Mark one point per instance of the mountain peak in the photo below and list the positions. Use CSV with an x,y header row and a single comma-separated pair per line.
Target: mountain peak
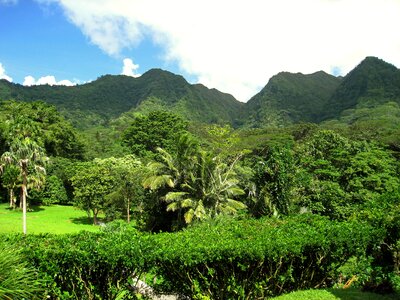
x,y
291,97
374,64
372,80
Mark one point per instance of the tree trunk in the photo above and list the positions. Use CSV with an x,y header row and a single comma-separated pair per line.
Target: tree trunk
x,y
95,217
24,194
128,215
21,197
12,200
24,206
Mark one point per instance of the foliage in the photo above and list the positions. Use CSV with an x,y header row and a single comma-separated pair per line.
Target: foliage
x,y
274,176
157,129
339,175
195,184
30,160
291,98
18,280
111,185
373,81
43,124
85,265
96,102
11,180
92,182
384,213
103,142
256,259
128,193
225,259
53,192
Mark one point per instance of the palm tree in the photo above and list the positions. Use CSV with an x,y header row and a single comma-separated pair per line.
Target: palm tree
x,y
30,160
10,181
209,191
200,186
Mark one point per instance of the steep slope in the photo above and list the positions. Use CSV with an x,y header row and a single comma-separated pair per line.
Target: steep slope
x,y
291,98
373,82
109,96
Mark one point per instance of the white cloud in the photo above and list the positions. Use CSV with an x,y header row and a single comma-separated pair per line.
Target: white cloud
x,y
29,80
129,68
3,74
50,80
237,45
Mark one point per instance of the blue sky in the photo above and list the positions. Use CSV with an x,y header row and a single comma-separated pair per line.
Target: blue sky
x,y
38,40
232,45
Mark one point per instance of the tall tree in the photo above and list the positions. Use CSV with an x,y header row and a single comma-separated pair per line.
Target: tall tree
x,y
10,181
199,185
128,190
274,179
43,124
92,182
341,175
157,129
30,160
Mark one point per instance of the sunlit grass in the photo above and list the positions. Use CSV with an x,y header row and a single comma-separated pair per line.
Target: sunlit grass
x,y
45,219
335,294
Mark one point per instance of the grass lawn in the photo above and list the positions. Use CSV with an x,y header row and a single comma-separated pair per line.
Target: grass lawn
x,y
52,219
335,294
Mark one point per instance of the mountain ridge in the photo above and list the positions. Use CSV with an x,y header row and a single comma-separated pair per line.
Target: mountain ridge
x,y
111,95
287,98
291,97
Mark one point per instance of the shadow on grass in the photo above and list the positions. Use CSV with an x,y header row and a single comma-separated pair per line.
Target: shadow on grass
x,y
355,294
30,209
34,209
82,221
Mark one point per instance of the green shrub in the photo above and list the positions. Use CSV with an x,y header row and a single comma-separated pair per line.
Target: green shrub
x,y
257,258
17,279
225,259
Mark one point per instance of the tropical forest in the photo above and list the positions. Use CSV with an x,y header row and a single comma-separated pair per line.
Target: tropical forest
x,y
155,188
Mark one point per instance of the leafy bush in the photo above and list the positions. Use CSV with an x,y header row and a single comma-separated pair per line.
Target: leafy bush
x,y
17,279
257,258
85,265
225,259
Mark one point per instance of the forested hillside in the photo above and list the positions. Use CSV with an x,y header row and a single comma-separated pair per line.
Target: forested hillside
x,y
97,102
291,98
304,195
288,98
373,82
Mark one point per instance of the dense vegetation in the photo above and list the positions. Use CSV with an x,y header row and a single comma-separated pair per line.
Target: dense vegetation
x,y
106,98
291,98
204,210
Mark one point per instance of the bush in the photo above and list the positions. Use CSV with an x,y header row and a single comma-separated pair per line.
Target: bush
x,y
257,258
85,265
17,279
225,259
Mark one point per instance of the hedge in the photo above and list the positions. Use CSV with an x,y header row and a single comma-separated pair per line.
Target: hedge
x,y
228,259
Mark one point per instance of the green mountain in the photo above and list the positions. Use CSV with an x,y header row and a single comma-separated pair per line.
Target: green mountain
x,y
291,98
287,98
373,82
109,96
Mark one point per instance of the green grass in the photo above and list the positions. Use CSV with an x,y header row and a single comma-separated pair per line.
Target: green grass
x,y
335,294
45,219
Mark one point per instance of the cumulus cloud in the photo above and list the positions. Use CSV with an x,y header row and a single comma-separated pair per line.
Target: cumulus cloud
x,y
237,45
50,80
3,74
129,68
